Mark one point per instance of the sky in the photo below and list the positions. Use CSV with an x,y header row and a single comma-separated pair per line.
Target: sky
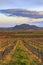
x,y
15,12
24,4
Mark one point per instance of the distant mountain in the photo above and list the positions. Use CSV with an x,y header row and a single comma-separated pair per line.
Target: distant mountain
x,y
23,27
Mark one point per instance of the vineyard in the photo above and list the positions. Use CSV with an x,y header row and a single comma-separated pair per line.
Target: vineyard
x,y
19,49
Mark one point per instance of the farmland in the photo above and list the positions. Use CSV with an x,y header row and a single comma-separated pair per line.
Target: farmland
x,y
21,47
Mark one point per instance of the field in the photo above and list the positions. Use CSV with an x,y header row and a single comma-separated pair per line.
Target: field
x,y
21,47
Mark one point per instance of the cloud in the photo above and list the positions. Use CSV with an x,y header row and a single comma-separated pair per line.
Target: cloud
x,y
23,13
12,17
9,21
18,19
